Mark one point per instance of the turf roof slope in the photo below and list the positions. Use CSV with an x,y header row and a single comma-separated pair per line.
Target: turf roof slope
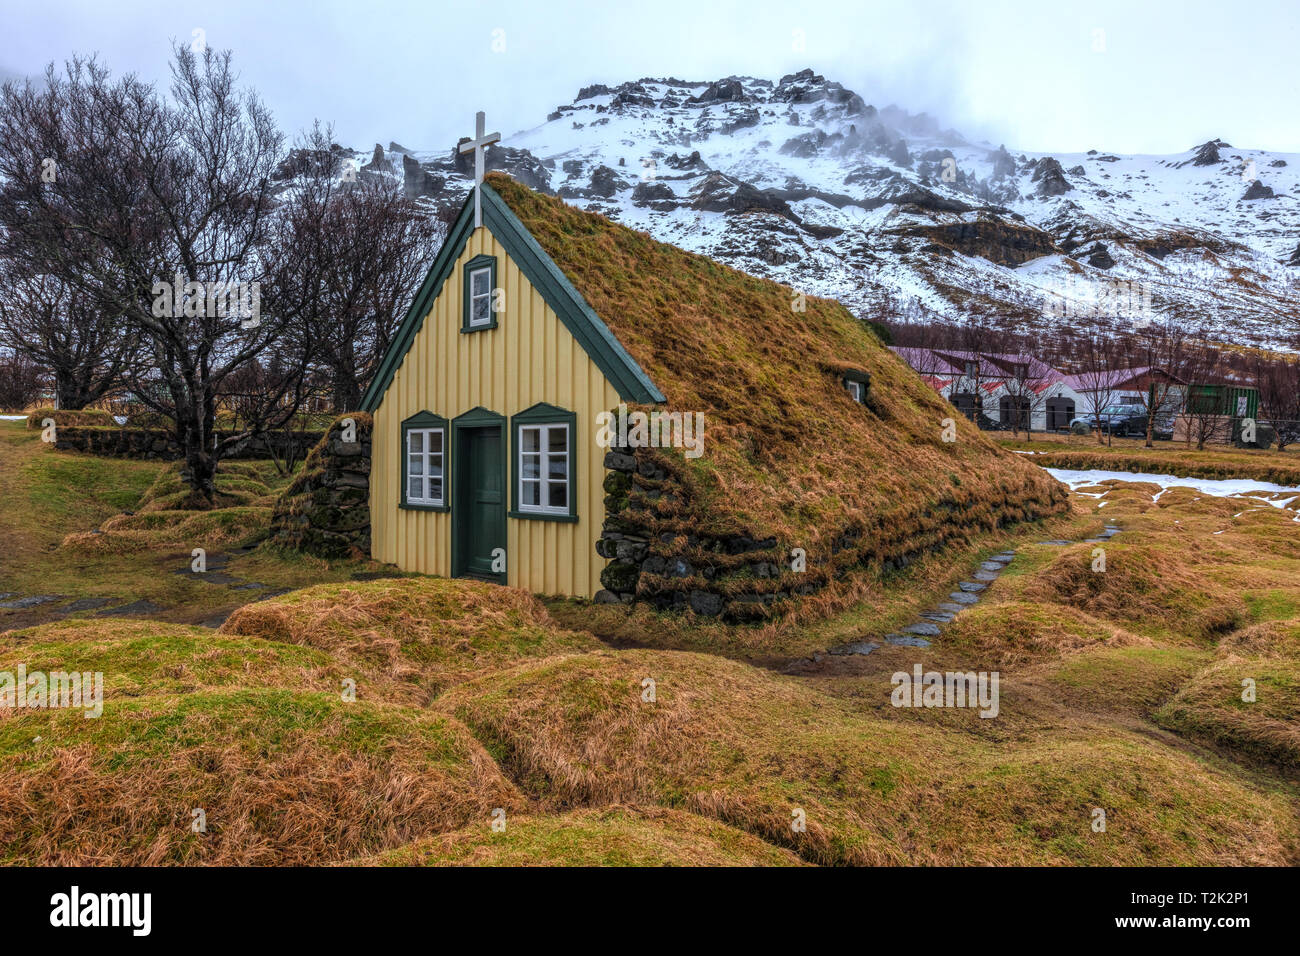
x,y
787,452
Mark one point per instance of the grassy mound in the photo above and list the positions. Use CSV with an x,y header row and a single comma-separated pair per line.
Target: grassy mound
x,y
1016,632
612,836
69,417
1132,680
1270,638
1155,587
150,658
282,777
238,483
420,635
750,749
125,534
1210,708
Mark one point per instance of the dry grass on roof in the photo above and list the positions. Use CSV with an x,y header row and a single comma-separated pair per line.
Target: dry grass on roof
x,y
786,450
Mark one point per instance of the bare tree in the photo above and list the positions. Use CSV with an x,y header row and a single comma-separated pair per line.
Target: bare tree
x,y
1161,346
1202,410
62,329
21,381
973,338
1278,381
1098,360
361,249
265,399
1029,383
159,208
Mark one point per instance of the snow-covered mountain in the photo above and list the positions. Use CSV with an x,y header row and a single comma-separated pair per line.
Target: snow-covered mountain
x,y
804,182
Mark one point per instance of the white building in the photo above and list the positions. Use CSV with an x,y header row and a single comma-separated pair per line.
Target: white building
x,y
995,384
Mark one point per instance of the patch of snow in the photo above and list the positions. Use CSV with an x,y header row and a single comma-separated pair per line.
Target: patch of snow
x,y
1215,487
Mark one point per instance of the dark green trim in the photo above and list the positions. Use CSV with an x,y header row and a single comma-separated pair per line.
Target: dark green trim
x,y
451,249
427,420
479,417
534,516
544,414
627,377
478,262
593,335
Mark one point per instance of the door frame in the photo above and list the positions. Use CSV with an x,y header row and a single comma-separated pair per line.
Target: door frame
x,y
476,418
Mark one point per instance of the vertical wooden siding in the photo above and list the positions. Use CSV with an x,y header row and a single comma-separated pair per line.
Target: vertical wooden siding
x,y
529,358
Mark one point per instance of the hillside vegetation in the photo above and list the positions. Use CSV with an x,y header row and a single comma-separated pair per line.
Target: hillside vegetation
x,y
443,722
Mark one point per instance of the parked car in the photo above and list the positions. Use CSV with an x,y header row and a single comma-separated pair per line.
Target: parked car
x,y
1126,420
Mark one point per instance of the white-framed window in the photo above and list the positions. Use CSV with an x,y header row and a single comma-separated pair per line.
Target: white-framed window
x,y
545,484
855,390
425,473
480,296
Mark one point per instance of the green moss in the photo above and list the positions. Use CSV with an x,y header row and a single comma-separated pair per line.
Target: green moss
x,y
148,657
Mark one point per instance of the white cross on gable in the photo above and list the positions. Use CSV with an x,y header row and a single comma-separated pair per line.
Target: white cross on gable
x,y
477,145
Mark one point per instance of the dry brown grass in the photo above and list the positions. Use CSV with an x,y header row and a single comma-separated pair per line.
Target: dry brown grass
x,y
416,636
283,778
1146,585
128,534
748,748
787,453
1011,633
606,836
1211,708
142,658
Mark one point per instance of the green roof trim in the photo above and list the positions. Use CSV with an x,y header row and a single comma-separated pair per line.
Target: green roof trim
x,y
604,348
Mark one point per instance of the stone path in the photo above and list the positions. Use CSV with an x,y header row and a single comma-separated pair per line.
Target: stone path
x,y
929,623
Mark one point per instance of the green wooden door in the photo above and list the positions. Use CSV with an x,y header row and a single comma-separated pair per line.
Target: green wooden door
x,y
480,507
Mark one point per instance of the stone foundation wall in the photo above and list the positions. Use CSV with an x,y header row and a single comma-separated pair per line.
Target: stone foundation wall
x,y
157,443
326,510
658,556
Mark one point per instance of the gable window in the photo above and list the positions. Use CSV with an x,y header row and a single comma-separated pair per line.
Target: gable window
x,y
480,294
972,369
424,462
545,464
856,383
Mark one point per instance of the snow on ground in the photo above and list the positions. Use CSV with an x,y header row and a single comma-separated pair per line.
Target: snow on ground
x,y
1216,487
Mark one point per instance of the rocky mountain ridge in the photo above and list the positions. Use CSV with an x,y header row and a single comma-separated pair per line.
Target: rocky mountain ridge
x,y
805,182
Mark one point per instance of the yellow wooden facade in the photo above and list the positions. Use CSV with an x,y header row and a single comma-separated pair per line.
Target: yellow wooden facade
x,y
530,357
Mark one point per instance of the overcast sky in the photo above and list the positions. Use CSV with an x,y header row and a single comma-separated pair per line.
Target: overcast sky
x,y
1153,77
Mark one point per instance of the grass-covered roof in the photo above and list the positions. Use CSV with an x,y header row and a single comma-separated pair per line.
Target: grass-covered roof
x,y
787,452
